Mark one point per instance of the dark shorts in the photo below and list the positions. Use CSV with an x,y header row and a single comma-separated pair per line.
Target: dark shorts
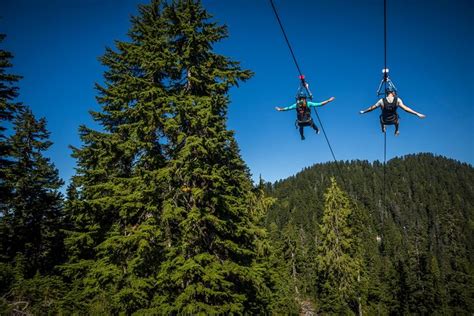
x,y
389,120
305,123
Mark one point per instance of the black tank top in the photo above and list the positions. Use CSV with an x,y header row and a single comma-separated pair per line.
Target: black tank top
x,y
389,110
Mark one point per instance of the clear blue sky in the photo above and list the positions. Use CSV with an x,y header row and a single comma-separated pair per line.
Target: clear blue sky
x,y
339,45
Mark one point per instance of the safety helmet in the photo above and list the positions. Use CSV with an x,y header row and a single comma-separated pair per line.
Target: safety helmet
x,y
301,95
389,89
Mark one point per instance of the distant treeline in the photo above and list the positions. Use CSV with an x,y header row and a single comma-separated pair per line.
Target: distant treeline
x,y
415,235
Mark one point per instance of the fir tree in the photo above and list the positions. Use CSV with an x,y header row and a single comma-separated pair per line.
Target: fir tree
x,y
8,92
285,301
338,265
35,208
31,215
165,216
211,264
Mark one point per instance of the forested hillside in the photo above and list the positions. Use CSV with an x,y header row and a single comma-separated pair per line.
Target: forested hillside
x,y
415,251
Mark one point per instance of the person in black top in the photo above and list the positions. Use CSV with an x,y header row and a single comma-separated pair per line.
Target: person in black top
x,y
389,106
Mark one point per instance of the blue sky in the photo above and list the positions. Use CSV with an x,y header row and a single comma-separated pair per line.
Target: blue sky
x,y
339,46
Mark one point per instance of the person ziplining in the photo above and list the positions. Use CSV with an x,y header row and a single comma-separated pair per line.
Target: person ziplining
x,y
391,102
389,106
303,108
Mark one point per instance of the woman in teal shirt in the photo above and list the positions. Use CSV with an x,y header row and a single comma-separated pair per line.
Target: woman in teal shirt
x,y
303,112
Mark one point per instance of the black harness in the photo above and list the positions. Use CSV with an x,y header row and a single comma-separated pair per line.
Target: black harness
x,y
389,112
303,114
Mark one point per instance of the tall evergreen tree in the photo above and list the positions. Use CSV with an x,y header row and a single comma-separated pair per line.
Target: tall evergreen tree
x,y
31,215
211,264
165,219
35,213
338,264
286,298
8,92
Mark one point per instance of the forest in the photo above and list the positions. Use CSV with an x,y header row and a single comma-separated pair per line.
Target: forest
x,y
343,239
162,216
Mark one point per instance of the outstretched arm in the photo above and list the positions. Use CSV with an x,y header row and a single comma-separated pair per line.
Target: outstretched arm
x,y
407,109
327,101
373,107
318,104
291,107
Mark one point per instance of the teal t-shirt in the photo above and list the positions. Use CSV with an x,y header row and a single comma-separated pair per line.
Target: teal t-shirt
x,y
309,104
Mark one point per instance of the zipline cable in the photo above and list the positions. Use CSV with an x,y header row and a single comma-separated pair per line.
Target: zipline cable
x,y
286,39
385,131
385,32
304,85
384,173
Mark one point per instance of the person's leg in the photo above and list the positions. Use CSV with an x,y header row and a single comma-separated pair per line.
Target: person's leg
x,y
301,131
314,127
382,125
396,127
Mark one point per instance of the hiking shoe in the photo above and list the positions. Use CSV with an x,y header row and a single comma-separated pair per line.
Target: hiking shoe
x,y
302,137
397,133
317,131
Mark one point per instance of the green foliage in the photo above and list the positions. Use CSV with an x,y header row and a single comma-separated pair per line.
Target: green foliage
x,y
211,264
34,215
416,249
8,92
31,214
42,294
337,260
115,199
32,241
288,269
165,217
161,216
38,295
